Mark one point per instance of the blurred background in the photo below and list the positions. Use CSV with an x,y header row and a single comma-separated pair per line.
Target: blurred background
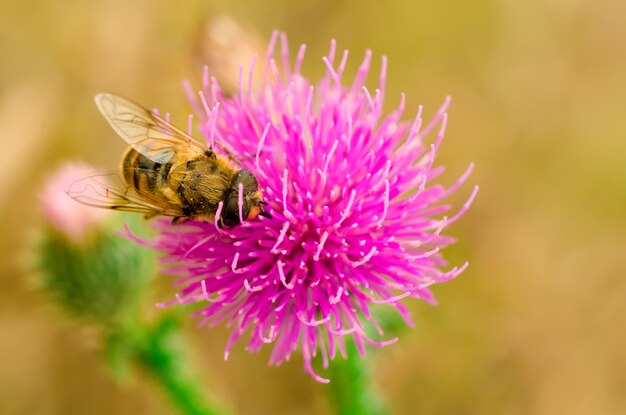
x,y
534,326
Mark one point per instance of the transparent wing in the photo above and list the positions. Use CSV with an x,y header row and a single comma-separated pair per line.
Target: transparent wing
x,y
144,130
108,190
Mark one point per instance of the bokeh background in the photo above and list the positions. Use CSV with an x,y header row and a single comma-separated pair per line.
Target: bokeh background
x,y
534,326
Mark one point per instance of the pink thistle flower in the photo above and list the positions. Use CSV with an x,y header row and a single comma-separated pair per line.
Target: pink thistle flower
x,y
356,219
68,217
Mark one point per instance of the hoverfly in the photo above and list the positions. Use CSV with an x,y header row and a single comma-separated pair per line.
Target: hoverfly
x,y
165,172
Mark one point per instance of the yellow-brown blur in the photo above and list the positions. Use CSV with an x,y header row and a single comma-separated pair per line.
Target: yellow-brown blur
x,y
534,326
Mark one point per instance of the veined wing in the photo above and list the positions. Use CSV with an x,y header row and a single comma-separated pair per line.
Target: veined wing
x,y
144,130
108,190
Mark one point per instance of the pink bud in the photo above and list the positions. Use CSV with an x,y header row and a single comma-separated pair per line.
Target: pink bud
x,y
63,213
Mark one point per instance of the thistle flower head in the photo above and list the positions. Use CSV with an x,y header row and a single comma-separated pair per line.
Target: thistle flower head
x,y
357,221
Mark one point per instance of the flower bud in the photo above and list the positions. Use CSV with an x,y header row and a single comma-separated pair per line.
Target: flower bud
x,y
65,215
89,270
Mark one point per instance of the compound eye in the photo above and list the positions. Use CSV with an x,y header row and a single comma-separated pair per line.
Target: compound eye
x,y
250,184
230,212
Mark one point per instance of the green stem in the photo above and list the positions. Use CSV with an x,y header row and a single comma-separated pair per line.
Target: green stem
x,y
160,352
351,387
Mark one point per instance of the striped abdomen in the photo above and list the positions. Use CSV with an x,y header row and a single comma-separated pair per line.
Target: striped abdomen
x,y
147,177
